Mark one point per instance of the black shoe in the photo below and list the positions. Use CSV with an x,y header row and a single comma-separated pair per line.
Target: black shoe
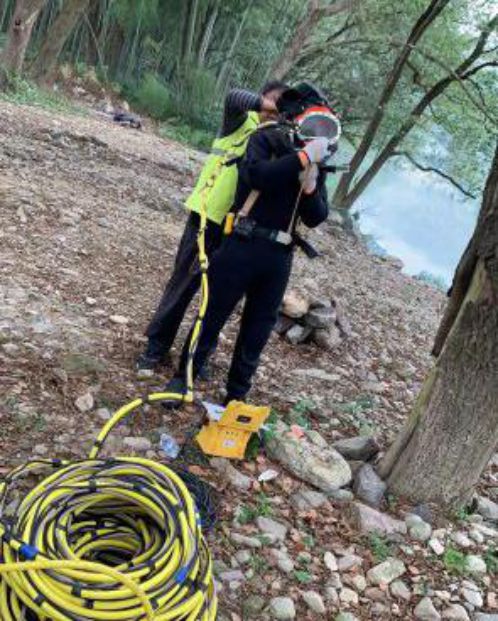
x,y
205,374
175,385
147,363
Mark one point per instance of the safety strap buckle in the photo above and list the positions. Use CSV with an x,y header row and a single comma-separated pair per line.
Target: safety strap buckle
x,y
283,237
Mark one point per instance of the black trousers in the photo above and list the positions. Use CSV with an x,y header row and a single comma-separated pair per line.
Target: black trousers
x,y
181,287
259,270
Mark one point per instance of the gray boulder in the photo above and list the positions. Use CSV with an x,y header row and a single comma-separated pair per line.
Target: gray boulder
x,y
368,486
487,508
368,520
323,468
361,448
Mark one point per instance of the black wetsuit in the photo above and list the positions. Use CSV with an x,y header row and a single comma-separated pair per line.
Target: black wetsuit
x,y
254,266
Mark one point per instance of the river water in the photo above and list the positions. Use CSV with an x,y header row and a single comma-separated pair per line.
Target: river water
x,y
418,218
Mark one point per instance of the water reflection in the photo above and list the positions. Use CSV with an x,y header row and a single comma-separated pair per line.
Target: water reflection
x,y
419,219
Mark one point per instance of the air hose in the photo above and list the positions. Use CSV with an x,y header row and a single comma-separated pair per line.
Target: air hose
x,y
109,539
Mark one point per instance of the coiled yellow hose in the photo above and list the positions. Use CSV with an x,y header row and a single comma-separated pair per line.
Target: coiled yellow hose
x,y
109,540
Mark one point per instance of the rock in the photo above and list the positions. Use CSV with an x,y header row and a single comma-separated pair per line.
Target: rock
x,y
40,449
306,499
233,575
375,594
399,590
252,605
456,612
461,539
368,520
85,402
345,616
330,561
103,413
335,581
342,496
481,616
284,324
137,444
320,318
421,532
294,305
348,562
314,602
282,608
386,572
436,546
360,448
11,349
348,596
487,508
243,556
285,564
476,536
475,565
298,334
368,486
120,320
271,527
328,339
331,595
322,468
425,610
231,474
359,582
242,540
472,595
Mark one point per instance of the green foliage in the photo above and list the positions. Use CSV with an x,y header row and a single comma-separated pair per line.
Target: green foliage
x,y
491,559
455,561
26,93
381,547
303,576
434,281
187,134
298,415
259,564
153,97
462,513
248,513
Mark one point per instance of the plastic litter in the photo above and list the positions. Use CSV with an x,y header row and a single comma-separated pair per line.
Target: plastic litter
x,y
169,446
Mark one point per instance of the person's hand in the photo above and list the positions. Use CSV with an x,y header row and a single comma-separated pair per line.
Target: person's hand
x,y
308,178
268,105
317,150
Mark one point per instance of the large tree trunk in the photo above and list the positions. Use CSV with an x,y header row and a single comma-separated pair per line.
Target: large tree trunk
x,y
453,429
57,35
18,35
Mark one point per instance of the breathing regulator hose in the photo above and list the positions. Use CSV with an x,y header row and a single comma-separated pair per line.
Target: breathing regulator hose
x,y
109,539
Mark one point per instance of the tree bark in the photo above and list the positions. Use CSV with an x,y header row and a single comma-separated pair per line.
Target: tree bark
x,y
303,32
57,35
19,35
340,198
453,429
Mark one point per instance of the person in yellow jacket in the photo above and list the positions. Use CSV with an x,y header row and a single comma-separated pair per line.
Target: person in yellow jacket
x,y
243,112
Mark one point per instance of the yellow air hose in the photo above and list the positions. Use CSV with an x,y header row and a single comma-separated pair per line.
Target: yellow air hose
x,y
109,539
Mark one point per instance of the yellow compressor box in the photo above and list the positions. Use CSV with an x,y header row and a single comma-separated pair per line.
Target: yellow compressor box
x,y
229,436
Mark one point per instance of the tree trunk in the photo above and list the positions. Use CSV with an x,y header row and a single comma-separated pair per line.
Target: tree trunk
x,y
345,196
424,21
453,429
303,32
57,35
19,34
224,73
